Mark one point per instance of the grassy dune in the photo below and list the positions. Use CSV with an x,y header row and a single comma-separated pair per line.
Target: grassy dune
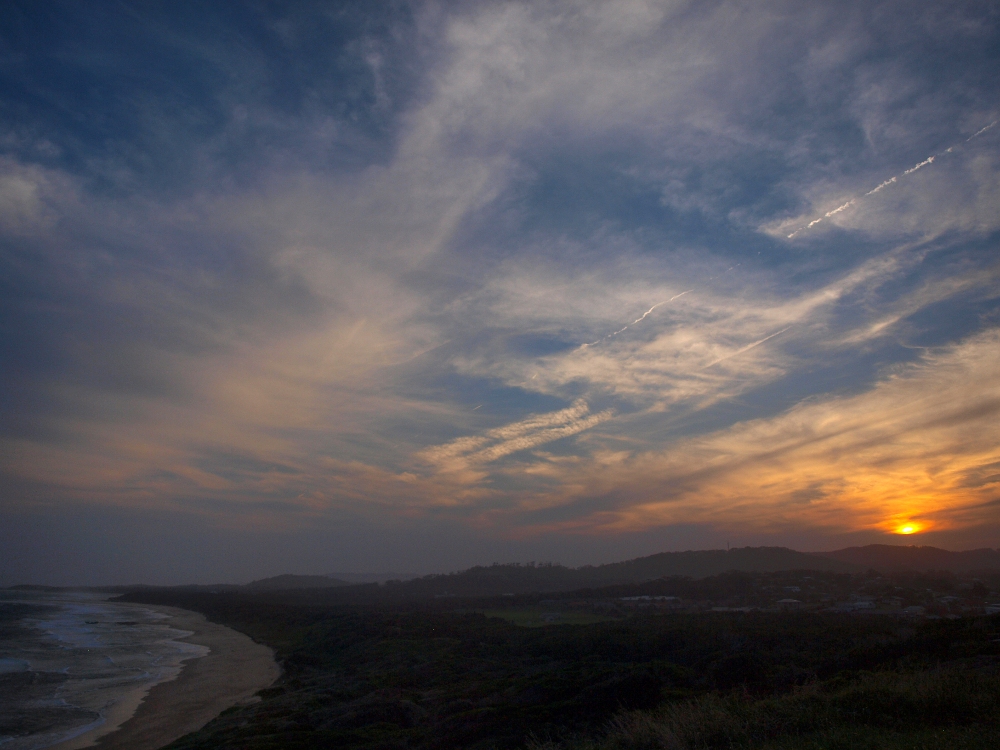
x,y
955,707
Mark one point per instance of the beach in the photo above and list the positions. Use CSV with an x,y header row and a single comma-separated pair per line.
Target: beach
x,y
234,669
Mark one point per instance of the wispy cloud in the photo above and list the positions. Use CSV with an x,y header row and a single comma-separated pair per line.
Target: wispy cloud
x,y
472,452
707,348
904,450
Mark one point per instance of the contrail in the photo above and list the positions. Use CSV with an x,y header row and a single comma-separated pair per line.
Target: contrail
x,y
637,320
746,348
827,215
980,132
924,163
929,160
643,316
885,184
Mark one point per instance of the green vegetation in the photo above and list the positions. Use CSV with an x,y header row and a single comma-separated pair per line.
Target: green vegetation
x,y
463,673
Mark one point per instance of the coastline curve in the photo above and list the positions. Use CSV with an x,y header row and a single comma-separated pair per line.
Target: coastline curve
x,y
234,668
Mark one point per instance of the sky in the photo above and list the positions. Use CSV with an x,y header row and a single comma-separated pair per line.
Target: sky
x,y
321,287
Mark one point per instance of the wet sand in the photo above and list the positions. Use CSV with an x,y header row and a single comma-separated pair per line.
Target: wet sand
x,y
231,673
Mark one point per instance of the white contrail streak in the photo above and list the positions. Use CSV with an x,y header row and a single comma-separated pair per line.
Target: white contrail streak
x,y
980,132
637,320
929,160
746,348
885,184
643,316
827,215
924,163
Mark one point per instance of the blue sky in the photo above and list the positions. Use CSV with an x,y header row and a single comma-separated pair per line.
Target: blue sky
x,y
316,287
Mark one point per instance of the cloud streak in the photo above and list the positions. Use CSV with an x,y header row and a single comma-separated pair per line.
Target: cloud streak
x,y
467,453
637,320
887,183
905,451
746,348
669,365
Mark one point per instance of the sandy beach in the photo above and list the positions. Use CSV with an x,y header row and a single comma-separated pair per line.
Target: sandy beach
x,y
235,668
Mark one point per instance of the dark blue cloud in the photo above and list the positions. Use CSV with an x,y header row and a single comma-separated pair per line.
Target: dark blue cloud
x,y
139,95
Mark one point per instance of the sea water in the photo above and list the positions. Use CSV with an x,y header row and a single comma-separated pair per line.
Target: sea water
x,y
67,658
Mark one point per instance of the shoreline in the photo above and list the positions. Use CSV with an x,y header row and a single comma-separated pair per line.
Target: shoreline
x,y
232,671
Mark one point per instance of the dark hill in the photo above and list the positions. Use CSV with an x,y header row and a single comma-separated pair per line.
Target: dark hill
x,y
703,563
288,581
497,580
890,558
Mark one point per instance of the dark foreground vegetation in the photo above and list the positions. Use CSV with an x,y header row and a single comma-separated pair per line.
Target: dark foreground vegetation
x,y
641,673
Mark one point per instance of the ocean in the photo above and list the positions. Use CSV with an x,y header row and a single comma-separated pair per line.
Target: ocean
x,y
69,658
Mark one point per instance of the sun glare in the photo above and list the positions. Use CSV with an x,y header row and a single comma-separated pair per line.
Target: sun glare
x,y
908,528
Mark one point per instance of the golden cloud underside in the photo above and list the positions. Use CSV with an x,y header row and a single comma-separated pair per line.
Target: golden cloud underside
x,y
921,447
